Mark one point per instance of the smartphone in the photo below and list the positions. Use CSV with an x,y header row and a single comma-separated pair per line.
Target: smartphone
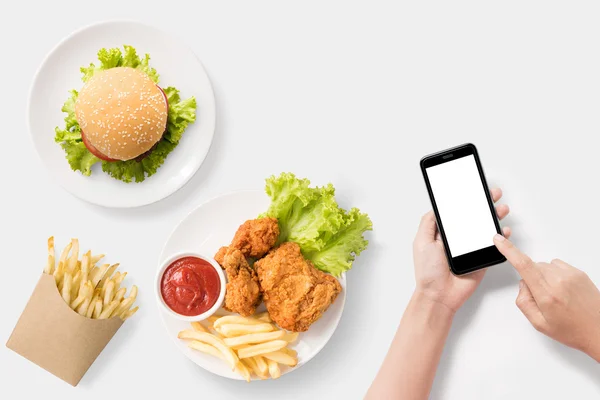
x,y
463,207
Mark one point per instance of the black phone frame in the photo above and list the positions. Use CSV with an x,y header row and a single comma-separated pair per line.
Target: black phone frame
x,y
479,259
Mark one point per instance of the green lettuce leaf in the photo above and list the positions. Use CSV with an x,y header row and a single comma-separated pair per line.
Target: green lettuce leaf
x,y
151,72
181,114
289,196
132,170
88,72
111,58
63,135
342,248
131,59
69,108
79,157
327,234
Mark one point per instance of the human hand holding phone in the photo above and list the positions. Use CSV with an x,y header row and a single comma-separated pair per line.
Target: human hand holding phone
x,y
433,276
559,300
408,370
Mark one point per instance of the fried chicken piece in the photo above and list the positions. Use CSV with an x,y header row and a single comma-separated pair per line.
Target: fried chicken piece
x,y
253,239
220,256
295,292
256,237
243,290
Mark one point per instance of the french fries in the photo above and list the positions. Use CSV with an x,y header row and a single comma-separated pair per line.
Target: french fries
x,y
206,348
249,345
231,358
251,365
230,330
243,371
66,289
274,370
234,319
262,348
291,337
91,291
290,352
262,367
51,257
199,327
264,317
253,338
281,358
72,262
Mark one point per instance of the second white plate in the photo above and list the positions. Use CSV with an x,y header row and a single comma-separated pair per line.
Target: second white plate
x,y
205,230
177,66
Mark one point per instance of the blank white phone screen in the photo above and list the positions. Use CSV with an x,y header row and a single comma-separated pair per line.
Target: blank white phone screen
x,y
462,205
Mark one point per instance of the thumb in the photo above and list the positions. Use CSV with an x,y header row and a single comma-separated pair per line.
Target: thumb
x,y
530,309
427,228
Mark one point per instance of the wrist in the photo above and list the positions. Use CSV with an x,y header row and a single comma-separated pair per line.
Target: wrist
x,y
428,295
432,304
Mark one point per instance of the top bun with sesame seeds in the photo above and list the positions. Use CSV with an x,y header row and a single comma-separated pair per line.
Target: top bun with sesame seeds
x,y
122,114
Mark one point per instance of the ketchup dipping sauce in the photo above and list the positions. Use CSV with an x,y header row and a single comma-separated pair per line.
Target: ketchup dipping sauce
x,y
190,286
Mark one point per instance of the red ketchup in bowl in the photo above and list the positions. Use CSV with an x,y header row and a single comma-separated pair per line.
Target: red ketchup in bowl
x,y
190,286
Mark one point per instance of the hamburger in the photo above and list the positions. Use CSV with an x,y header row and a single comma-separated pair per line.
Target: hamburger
x,y
122,114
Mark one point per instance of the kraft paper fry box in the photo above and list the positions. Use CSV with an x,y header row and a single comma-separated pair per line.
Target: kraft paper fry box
x,y
50,334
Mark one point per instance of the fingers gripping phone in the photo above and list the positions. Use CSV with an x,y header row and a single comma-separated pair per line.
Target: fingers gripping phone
x,y
463,208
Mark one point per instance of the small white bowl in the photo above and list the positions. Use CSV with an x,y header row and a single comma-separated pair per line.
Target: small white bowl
x,y
158,291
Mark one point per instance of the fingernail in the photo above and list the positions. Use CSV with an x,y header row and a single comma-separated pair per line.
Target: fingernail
x,y
499,238
521,283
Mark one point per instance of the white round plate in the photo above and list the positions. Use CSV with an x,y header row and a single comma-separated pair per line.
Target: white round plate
x,y
177,66
205,230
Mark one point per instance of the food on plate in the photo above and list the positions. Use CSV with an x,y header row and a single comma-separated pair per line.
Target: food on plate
x,y
234,319
295,292
243,292
329,236
234,340
190,286
282,357
262,348
290,257
90,290
122,119
274,369
240,329
254,338
255,237
264,316
121,113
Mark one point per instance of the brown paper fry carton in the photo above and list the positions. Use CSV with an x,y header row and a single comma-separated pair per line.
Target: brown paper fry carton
x,y
53,336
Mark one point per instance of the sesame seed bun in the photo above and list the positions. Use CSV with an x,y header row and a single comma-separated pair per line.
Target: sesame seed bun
x,y
121,112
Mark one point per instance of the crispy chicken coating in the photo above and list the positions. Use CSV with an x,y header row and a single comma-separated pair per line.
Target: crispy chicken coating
x,y
243,291
220,256
256,237
295,292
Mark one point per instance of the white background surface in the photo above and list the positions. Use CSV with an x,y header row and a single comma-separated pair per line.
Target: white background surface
x,y
354,94
462,204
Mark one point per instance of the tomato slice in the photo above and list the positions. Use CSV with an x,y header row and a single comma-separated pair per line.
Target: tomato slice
x,y
164,94
94,150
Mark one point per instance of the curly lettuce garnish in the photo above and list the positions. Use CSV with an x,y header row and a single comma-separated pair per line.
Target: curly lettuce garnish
x,y
328,235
